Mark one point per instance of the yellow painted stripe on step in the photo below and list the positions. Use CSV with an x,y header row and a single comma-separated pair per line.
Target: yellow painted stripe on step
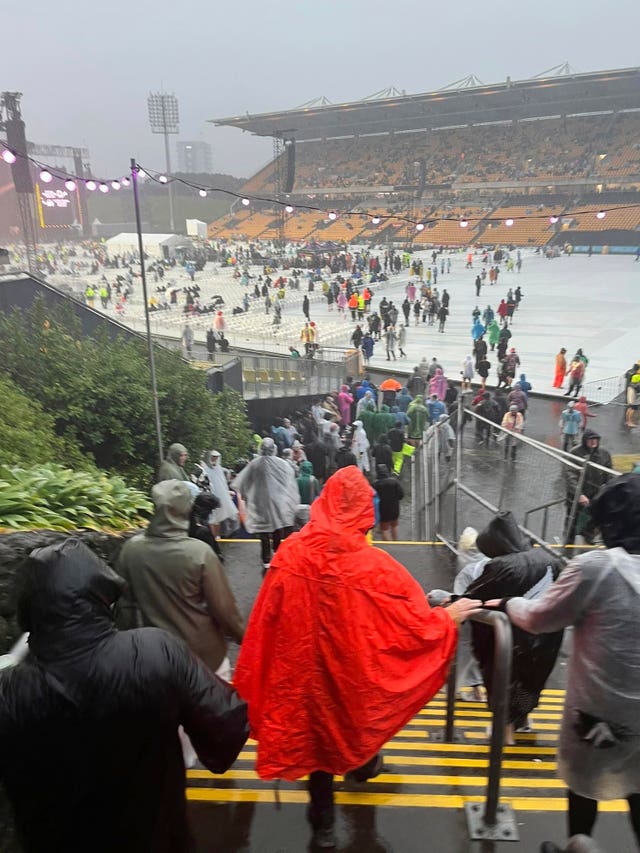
x,y
404,779
481,706
468,748
409,761
442,801
470,724
432,746
486,714
437,761
522,737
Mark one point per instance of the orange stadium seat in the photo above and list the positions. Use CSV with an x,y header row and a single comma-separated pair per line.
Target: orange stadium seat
x,y
531,226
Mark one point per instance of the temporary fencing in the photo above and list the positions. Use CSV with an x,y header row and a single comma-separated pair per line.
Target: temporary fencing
x,y
493,469
606,390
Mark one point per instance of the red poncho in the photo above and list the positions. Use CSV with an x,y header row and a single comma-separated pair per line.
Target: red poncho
x,y
342,648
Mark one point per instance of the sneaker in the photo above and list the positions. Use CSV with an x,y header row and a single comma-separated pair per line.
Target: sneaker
x,y
476,693
324,838
363,774
525,728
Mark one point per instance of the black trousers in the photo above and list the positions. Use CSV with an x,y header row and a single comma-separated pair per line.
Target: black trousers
x,y
320,787
275,538
583,812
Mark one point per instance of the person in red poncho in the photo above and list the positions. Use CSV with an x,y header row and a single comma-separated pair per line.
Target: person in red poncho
x,y
341,650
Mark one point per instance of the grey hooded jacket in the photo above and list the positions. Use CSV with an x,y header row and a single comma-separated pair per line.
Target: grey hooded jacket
x,y
177,583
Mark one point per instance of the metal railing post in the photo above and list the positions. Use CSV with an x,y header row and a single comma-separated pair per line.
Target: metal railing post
x,y
425,491
456,492
501,683
571,518
449,727
492,820
413,497
436,480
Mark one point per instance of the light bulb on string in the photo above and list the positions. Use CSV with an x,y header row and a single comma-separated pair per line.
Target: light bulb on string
x,y
70,185
601,214
246,202
508,222
163,179
553,219
125,182
375,220
420,226
333,215
103,188
45,176
463,223
115,185
9,157
288,208
91,186
202,193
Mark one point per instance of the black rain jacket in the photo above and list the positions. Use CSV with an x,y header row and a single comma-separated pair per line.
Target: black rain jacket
x,y
514,570
89,750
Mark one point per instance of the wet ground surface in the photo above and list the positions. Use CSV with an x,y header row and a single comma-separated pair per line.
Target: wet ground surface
x,y
416,805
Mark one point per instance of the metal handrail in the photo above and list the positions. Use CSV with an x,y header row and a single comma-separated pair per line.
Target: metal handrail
x,y
545,507
503,647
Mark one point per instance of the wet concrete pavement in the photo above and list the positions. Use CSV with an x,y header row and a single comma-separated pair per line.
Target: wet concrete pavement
x,y
416,805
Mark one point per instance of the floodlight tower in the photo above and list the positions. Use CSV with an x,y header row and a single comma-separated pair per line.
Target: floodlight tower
x,y
164,119
12,124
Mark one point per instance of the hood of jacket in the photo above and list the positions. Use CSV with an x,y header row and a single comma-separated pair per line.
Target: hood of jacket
x,y
344,511
207,458
306,469
616,511
173,501
64,599
502,536
175,451
586,436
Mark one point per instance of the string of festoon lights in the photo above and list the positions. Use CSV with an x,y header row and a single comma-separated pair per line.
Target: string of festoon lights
x,y
71,182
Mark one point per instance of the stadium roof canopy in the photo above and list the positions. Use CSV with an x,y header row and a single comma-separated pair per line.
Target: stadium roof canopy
x,y
540,97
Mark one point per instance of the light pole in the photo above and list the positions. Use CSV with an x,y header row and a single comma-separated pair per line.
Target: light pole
x,y
143,276
164,118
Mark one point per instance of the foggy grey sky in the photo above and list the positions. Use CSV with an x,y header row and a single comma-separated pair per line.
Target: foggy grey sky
x,y
86,68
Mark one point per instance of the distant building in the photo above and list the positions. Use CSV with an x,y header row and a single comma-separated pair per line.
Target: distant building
x,y
194,157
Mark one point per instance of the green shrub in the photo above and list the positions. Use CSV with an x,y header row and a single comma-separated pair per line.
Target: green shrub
x,y
54,498
27,432
98,393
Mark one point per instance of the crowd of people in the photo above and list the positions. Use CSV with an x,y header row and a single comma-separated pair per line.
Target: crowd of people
x,y
146,698
317,484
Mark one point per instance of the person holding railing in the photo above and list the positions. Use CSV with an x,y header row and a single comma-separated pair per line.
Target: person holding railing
x,y
327,691
589,450
514,568
599,594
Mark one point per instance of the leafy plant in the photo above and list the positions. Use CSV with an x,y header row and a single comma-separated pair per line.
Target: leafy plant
x,y
55,498
97,391
27,432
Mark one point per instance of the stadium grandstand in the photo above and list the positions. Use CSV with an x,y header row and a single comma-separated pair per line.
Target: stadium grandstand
x,y
561,145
